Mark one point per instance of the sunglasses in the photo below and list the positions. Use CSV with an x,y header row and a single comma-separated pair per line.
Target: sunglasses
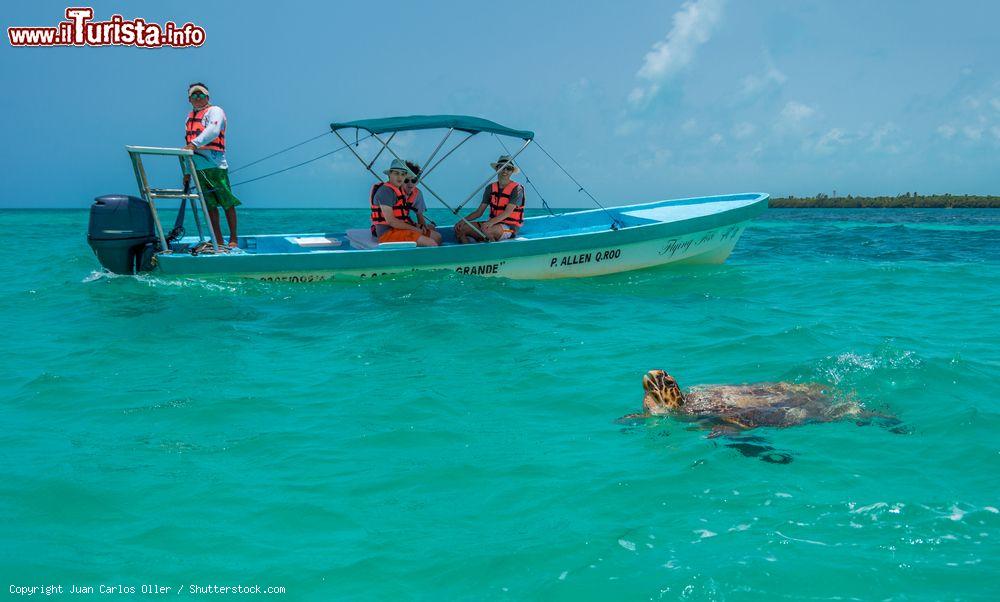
x,y
199,95
409,181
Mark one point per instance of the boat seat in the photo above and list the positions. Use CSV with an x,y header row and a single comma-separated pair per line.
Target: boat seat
x,y
313,241
363,239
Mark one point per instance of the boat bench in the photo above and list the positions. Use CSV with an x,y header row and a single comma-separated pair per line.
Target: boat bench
x,y
363,239
313,242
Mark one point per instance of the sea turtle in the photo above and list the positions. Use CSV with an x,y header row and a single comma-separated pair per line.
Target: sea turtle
x,y
731,409
746,406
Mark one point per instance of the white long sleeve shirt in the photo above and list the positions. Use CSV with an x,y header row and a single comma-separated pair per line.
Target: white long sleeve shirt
x,y
214,120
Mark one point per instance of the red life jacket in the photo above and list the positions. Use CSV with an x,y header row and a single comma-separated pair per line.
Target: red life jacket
x,y
411,198
401,207
499,199
195,127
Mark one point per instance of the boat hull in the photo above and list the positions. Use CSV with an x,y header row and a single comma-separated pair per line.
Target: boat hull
x,y
702,239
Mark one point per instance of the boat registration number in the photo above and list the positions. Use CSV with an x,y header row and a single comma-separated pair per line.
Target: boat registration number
x,y
302,278
595,256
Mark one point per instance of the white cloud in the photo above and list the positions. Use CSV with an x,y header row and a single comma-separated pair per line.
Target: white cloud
x,y
829,141
689,126
744,130
972,133
881,138
995,130
692,27
655,158
755,84
639,96
795,113
401,142
971,102
716,138
947,131
628,127
578,90
881,132
996,103
342,163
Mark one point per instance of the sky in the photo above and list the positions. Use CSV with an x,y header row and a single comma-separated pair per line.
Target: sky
x,y
639,100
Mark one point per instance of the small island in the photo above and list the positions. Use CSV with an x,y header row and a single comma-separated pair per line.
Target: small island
x,y
907,200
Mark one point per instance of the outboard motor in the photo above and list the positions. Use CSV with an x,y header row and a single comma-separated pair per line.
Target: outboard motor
x,y
121,233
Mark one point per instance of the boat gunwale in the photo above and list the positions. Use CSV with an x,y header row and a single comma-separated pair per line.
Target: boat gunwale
x,y
318,261
754,199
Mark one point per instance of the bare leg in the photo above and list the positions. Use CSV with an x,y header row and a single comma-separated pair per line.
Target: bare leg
x,y
426,241
493,233
213,215
231,222
463,232
469,232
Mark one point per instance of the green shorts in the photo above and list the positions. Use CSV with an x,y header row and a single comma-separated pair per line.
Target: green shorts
x,y
215,186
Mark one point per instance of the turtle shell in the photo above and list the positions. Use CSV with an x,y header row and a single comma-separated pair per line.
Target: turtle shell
x,y
761,404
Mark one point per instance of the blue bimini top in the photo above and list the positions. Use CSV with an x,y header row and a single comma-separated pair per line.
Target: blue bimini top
x,y
464,123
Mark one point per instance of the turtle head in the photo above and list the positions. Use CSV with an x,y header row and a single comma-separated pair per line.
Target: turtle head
x,y
663,395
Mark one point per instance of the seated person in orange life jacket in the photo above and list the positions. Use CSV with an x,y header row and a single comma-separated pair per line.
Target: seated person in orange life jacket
x,y
416,200
391,221
505,198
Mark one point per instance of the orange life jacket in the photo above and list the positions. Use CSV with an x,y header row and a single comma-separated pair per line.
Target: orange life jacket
x,y
400,208
411,198
499,199
195,127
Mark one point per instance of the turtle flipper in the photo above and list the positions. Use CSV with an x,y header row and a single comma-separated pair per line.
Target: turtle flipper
x,y
724,430
776,457
632,419
887,421
753,446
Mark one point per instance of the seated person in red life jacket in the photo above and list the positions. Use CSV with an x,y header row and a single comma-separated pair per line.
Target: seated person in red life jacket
x,y
391,221
505,199
415,198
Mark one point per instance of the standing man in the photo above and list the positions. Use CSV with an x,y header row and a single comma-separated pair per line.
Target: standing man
x,y
505,200
205,134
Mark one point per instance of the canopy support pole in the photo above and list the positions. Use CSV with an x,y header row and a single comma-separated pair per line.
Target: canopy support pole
x,y
615,222
440,200
440,144
527,178
379,153
363,162
446,155
438,197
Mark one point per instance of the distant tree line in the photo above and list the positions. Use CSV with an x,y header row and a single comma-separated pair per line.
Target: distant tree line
x,y
905,200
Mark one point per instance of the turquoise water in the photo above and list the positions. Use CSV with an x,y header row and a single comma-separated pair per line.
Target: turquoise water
x,y
442,437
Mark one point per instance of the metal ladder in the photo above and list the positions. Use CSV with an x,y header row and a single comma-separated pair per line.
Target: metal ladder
x,y
186,159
